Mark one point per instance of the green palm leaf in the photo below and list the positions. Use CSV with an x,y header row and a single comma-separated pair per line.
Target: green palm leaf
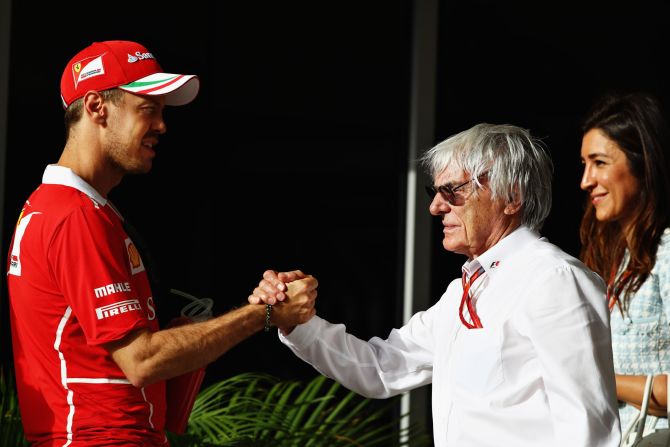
x,y
259,410
11,430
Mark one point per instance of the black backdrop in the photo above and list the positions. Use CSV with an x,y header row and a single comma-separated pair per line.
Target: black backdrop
x,y
540,65
294,154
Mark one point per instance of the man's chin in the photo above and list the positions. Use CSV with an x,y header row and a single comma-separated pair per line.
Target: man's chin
x,y
144,168
450,246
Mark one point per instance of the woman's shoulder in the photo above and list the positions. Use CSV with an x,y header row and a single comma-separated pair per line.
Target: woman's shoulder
x,y
663,252
665,237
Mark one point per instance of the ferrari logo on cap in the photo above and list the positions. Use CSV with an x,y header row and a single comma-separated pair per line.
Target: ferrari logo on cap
x,y
87,68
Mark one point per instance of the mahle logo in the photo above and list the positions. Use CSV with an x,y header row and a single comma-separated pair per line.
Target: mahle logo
x,y
110,289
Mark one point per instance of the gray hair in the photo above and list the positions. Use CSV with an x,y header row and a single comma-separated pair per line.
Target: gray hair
x,y
517,165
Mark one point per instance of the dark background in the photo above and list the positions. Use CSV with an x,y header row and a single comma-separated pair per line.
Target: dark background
x,y
294,155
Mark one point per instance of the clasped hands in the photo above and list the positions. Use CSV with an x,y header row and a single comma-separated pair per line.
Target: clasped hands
x,y
292,295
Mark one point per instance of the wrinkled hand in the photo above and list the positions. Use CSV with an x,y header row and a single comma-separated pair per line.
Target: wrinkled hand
x,y
298,305
272,288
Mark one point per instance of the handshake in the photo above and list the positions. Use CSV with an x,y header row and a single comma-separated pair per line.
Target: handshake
x,y
292,295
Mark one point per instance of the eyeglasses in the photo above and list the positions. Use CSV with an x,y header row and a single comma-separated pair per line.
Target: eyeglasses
x,y
448,192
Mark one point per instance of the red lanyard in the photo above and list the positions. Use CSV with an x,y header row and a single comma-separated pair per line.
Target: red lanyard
x,y
466,300
612,292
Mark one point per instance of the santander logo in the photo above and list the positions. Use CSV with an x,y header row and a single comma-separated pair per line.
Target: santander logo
x,y
138,56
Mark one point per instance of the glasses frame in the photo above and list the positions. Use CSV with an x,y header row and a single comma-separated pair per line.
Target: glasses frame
x,y
448,192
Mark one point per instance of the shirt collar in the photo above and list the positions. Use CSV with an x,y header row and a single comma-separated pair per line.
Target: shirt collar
x,y
60,175
495,257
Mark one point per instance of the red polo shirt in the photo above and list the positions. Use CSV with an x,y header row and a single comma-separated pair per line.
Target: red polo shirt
x,y
76,281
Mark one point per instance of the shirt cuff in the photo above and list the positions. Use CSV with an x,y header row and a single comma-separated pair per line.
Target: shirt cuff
x,y
303,334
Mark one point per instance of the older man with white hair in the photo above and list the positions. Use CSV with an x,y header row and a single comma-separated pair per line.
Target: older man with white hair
x,y
518,349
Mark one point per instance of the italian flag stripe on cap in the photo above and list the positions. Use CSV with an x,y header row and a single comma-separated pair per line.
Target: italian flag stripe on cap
x,y
151,83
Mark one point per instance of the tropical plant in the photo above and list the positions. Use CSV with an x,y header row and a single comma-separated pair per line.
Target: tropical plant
x,y
11,430
259,410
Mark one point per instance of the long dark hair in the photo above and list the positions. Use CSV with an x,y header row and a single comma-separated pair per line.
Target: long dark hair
x,y
635,122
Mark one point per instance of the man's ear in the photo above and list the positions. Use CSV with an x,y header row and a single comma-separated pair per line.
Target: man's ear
x,y
94,107
513,202
512,207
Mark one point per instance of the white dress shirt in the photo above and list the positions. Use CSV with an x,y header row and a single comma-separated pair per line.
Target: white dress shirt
x,y
539,372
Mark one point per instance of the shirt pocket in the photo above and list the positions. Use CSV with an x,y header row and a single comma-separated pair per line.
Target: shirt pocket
x,y
635,344
478,362
640,326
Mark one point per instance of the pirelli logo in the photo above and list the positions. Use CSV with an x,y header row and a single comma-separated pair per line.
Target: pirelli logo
x,y
117,308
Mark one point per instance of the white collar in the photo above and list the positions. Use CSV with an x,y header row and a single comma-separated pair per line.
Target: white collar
x,y
497,255
60,175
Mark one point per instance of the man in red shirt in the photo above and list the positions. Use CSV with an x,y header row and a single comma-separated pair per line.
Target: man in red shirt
x,y
91,363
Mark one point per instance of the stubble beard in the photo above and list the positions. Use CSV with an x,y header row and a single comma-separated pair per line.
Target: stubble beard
x,y
117,155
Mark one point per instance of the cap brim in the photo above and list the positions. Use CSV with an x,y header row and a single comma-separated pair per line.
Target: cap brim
x,y
177,89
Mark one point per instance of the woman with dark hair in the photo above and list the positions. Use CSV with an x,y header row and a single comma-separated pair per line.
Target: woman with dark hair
x,y
625,238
